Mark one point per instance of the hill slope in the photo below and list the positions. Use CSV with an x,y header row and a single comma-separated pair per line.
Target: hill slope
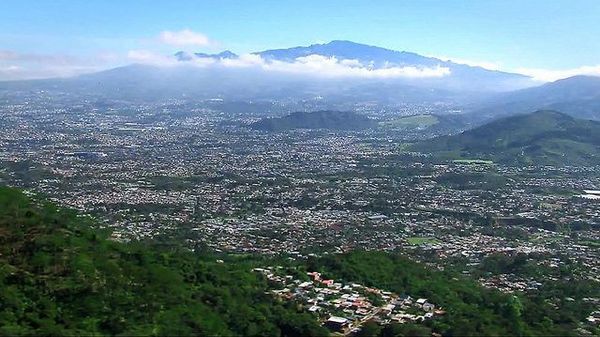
x,y
58,277
578,96
332,120
543,137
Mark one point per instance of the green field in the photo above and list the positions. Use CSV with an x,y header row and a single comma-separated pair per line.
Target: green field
x,y
411,122
473,161
420,240
591,243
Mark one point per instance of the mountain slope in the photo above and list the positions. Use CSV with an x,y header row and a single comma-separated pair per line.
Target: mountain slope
x,y
542,137
332,120
578,96
59,277
351,50
462,77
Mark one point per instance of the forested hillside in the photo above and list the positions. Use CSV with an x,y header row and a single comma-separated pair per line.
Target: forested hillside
x,y
60,278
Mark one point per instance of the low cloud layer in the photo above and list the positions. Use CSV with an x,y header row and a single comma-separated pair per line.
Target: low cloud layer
x,y
184,38
547,75
314,65
23,66
473,63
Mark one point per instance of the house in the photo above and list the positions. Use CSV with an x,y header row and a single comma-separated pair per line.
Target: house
x,y
328,283
428,307
314,308
421,301
336,323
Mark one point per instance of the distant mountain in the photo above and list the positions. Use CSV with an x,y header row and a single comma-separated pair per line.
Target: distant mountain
x,y
461,78
332,120
578,96
542,137
256,80
347,50
184,56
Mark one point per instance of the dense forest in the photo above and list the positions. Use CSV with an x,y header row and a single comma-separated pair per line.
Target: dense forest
x,y
60,275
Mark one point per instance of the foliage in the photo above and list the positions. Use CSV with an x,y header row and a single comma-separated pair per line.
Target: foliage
x,y
470,309
542,137
58,277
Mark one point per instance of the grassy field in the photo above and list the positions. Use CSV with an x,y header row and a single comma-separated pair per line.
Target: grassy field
x,y
591,243
419,241
411,122
473,161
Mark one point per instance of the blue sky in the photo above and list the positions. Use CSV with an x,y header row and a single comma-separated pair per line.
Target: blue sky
x,y
86,35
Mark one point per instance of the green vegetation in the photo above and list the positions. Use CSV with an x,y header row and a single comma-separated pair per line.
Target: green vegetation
x,y
473,161
591,243
58,277
543,137
470,309
420,241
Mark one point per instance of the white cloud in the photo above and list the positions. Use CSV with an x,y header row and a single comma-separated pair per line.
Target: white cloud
x,y
489,65
184,38
152,58
14,65
314,65
160,60
547,75
324,66
20,66
10,69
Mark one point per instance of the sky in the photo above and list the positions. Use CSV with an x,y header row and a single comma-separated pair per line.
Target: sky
x,y
547,39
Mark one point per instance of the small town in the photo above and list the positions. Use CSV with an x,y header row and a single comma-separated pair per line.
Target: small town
x,y
344,307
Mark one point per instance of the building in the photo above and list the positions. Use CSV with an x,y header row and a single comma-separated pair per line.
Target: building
x,y
336,323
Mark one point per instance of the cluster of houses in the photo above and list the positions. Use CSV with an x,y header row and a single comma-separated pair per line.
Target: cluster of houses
x,y
344,307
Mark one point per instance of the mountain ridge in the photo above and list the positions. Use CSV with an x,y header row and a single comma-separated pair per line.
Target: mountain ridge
x,y
578,96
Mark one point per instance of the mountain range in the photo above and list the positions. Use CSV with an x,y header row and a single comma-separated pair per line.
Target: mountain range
x,y
481,94
461,76
357,73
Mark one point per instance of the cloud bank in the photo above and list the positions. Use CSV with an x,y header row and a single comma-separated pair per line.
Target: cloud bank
x,y
22,66
489,65
314,65
547,75
184,38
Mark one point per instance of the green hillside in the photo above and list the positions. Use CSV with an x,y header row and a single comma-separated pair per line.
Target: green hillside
x,y
59,278
542,137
